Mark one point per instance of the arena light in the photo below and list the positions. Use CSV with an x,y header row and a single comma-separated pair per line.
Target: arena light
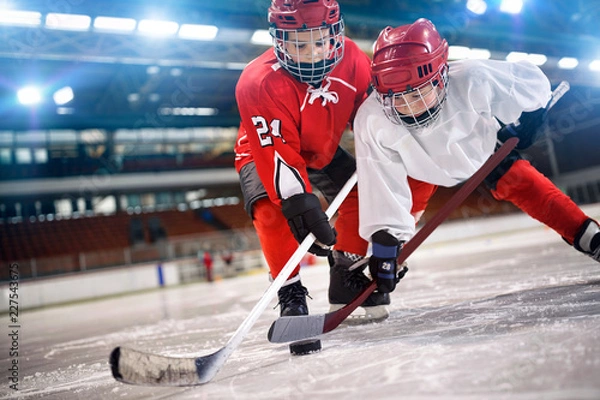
x,y
29,96
235,66
188,111
20,18
153,70
568,63
198,32
511,6
515,56
261,37
152,27
537,59
462,53
111,24
594,66
477,6
458,52
63,96
69,22
480,54
65,110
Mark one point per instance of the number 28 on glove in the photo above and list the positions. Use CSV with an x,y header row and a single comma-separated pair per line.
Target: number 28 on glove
x,y
383,264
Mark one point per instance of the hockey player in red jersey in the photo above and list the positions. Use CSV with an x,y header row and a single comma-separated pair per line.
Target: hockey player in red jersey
x,y
295,102
438,122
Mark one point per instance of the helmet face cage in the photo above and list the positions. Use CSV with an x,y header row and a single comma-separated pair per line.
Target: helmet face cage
x,y
303,59
420,106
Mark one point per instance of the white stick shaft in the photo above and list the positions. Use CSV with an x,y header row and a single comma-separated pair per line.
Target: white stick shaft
x,y
271,291
559,92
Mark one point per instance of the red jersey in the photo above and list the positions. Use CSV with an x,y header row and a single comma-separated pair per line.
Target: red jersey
x,y
288,126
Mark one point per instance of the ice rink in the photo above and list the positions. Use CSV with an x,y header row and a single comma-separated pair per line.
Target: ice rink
x,y
505,316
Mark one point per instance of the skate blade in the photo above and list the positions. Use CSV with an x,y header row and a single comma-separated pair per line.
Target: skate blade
x,y
363,315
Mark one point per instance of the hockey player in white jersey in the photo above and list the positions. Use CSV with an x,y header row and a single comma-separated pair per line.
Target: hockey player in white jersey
x,y
438,122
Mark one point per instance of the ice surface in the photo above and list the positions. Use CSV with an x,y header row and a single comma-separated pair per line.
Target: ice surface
x,y
500,317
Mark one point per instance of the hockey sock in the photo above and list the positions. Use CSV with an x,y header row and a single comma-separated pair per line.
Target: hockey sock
x,y
536,195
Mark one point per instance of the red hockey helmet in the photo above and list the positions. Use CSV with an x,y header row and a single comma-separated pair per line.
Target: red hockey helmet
x,y
405,57
320,27
303,14
410,58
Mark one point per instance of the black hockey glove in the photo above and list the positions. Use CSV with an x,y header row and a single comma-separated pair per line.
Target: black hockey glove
x,y
527,128
383,264
305,215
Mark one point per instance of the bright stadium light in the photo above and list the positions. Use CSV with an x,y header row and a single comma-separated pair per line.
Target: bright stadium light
x,y
157,27
594,65
153,70
261,37
463,53
480,54
458,52
511,6
515,56
69,22
111,24
537,59
477,6
188,111
198,32
65,110
568,63
29,96
63,96
20,18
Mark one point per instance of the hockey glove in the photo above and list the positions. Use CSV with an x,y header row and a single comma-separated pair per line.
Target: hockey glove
x,y
383,264
305,215
527,128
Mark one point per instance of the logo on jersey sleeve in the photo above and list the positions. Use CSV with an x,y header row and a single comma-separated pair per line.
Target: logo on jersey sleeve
x,y
287,179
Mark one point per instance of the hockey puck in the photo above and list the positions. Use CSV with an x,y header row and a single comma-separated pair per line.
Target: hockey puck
x,y
304,347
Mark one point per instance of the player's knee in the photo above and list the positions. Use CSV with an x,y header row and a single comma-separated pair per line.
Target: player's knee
x,y
491,181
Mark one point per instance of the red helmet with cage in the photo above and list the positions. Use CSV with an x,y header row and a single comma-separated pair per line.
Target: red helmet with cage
x,y
303,14
408,58
317,25
405,57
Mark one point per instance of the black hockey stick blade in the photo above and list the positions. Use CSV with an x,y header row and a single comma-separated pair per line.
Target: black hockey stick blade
x,y
141,368
287,329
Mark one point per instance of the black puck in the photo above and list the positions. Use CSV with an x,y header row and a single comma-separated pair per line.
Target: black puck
x,y
304,347
114,363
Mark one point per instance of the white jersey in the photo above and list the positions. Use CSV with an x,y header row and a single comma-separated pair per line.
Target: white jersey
x,y
448,151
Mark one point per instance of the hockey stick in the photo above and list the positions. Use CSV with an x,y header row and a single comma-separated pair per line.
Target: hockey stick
x,y
287,329
141,368
562,88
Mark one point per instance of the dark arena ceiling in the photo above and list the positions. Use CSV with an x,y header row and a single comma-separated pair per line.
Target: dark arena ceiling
x,y
129,80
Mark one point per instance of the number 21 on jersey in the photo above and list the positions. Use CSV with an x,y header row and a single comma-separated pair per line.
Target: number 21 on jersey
x,y
266,131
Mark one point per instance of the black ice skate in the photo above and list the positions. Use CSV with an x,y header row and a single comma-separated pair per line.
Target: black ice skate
x,y
292,299
346,281
587,240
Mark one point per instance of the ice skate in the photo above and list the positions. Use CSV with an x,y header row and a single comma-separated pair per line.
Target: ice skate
x,y
346,281
587,240
292,299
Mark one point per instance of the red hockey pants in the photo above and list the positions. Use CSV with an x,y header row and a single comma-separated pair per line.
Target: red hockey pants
x,y
532,192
